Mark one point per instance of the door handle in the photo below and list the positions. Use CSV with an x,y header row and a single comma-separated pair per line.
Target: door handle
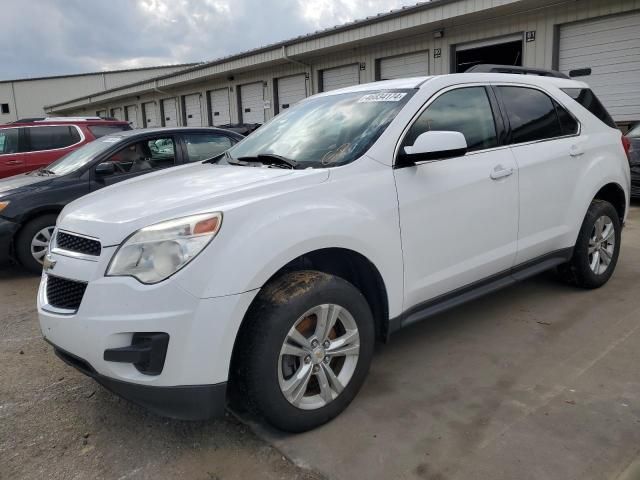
x,y
576,150
13,162
500,172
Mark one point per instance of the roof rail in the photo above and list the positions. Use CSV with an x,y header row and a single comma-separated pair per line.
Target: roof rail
x,y
490,68
69,119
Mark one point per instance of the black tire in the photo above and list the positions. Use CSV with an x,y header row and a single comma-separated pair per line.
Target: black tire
x,y
22,245
274,312
578,270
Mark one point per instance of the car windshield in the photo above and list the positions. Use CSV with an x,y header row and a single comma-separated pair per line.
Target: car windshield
x,y
324,131
83,155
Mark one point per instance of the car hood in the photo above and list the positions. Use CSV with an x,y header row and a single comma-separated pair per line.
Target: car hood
x,y
113,213
21,182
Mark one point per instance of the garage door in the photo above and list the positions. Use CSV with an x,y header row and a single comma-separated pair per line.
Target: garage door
x,y
340,77
193,110
131,115
151,118
170,112
290,91
403,66
605,53
117,113
101,113
252,103
220,108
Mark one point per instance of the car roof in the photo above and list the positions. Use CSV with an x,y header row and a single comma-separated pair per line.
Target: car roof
x,y
70,121
168,130
456,78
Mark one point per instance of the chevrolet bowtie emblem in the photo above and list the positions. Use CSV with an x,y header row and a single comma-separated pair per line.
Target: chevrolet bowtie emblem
x,y
48,263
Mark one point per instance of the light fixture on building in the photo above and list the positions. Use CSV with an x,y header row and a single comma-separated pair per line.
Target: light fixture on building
x,y
438,34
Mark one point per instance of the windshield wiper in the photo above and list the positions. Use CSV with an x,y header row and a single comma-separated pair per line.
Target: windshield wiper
x,y
271,159
48,172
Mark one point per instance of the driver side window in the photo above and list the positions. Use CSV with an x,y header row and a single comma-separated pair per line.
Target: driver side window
x,y
145,155
465,110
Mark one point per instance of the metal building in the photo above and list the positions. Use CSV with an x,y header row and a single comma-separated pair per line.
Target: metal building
x,y
597,41
27,97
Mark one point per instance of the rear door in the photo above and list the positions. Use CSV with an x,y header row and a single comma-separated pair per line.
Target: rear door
x,y
138,158
47,143
12,162
544,139
202,146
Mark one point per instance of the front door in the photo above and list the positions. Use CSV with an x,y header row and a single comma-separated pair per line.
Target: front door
x,y
143,156
458,216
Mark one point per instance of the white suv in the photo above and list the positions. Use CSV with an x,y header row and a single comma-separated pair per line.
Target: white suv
x,y
269,272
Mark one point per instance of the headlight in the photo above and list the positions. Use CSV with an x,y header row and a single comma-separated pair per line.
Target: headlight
x,y
154,253
4,205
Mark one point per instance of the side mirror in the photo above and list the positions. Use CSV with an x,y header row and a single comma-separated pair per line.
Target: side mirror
x,y
433,145
105,168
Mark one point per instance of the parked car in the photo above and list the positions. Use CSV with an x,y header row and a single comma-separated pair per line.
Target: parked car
x,y
633,137
30,203
30,144
270,271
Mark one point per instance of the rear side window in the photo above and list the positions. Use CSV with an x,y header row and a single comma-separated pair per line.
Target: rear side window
x,y
588,99
9,140
102,130
51,137
205,146
568,124
532,114
464,110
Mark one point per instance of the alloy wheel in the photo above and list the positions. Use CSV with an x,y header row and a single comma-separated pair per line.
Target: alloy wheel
x,y
318,357
602,245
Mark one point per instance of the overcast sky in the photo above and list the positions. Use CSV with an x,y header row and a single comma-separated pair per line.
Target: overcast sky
x,y
53,37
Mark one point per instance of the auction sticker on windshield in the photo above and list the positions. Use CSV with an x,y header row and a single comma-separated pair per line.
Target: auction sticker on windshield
x,y
382,97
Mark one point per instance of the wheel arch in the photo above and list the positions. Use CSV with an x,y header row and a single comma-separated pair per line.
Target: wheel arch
x,y
29,216
346,264
614,194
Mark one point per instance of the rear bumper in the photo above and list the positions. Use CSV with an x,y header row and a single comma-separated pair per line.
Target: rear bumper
x,y
7,231
188,402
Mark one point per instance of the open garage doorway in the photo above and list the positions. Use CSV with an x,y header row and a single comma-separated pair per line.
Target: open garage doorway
x,y
504,51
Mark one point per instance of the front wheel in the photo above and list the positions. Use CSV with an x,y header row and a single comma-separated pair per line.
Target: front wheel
x,y
306,349
596,251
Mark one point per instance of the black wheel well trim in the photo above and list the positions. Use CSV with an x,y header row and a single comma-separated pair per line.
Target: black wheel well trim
x,y
346,264
613,193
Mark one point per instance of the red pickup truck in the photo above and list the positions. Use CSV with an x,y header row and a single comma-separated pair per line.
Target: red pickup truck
x,y
31,144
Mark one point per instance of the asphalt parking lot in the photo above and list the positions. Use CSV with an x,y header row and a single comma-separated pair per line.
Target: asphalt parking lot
x,y
539,381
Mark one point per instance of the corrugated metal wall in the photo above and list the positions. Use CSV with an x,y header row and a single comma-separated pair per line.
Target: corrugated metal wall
x,y
473,20
32,95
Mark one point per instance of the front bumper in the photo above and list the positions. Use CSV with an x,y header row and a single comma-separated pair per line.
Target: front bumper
x,y
190,402
7,230
201,332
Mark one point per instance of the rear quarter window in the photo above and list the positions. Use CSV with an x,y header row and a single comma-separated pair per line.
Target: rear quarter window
x,y
588,99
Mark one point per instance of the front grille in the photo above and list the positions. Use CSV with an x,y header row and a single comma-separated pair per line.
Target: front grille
x,y
63,293
75,243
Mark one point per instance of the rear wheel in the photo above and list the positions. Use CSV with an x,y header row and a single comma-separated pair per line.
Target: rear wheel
x,y
32,242
596,251
306,349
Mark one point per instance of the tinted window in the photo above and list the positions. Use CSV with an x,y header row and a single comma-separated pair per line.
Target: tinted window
x,y
9,140
465,110
568,124
588,100
144,155
102,130
202,147
531,114
48,138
